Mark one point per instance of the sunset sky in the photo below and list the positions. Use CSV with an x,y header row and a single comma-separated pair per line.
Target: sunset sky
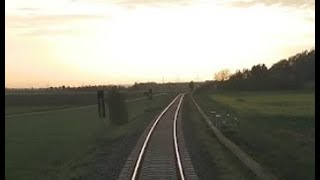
x,y
81,42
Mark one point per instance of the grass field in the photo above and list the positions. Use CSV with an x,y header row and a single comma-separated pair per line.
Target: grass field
x,y
220,163
53,144
16,103
276,128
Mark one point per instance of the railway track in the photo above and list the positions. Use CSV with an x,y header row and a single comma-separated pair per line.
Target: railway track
x,y
160,153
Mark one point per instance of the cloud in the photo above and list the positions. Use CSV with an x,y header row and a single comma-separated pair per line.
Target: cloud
x,y
51,32
16,21
48,25
234,3
153,2
134,3
289,3
28,9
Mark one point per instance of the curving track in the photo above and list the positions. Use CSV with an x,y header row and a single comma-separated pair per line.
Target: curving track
x,y
160,152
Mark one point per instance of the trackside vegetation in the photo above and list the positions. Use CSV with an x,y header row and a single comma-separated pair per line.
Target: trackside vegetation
x,y
276,128
67,144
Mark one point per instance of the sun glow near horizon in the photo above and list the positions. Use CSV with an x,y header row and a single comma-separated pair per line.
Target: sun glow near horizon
x,y
125,43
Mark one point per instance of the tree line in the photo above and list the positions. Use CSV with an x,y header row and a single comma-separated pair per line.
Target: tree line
x,y
296,72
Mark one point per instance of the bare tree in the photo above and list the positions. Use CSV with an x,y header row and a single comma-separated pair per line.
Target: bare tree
x,y
222,75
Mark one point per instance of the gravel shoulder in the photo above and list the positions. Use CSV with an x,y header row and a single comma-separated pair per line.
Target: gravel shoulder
x,y
110,156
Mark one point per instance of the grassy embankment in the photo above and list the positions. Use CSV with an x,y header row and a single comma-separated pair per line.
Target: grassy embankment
x,y
210,158
276,128
60,145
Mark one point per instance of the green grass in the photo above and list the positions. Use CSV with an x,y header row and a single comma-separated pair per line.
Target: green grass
x,y
224,164
34,142
54,144
276,128
26,103
28,109
269,103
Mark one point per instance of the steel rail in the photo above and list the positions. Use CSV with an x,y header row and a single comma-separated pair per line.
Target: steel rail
x,y
138,162
176,147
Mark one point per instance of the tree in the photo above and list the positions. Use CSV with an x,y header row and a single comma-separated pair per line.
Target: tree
x,y
237,76
135,86
259,71
222,75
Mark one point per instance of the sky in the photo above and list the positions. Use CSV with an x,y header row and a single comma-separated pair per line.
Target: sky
x,y
82,42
